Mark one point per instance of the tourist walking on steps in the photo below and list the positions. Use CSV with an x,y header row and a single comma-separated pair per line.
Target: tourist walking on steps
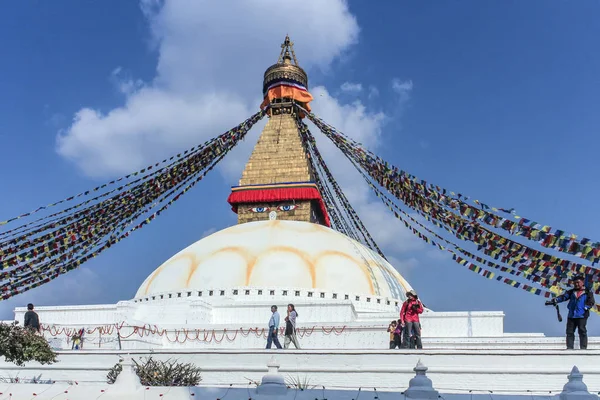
x,y
273,328
581,300
395,331
409,319
31,320
290,327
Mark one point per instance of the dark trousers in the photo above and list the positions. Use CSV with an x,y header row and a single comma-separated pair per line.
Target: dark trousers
x,y
578,324
272,338
412,335
396,342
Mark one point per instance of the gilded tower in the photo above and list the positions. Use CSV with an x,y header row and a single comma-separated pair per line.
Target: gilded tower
x,y
278,181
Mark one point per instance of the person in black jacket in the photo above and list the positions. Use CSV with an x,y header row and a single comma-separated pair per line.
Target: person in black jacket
x,y
581,300
32,321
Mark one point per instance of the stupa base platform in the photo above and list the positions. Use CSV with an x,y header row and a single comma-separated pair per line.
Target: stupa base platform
x,y
453,371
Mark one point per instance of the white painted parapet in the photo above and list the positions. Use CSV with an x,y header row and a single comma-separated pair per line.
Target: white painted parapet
x,y
350,387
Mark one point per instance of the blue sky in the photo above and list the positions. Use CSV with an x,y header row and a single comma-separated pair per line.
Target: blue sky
x,y
495,99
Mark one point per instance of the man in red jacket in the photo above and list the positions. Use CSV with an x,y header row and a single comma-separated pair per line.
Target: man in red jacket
x,y
409,317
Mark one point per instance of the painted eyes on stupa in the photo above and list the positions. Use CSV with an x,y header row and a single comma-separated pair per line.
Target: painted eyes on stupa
x,y
286,207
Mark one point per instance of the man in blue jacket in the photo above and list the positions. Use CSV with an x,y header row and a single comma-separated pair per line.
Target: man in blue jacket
x,y
273,328
581,300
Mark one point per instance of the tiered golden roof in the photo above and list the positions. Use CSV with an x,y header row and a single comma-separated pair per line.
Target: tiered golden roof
x,y
286,67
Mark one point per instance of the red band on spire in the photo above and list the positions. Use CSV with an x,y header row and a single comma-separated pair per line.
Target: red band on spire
x,y
275,193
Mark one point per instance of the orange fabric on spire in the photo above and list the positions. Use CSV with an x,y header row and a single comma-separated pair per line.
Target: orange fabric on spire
x,y
281,91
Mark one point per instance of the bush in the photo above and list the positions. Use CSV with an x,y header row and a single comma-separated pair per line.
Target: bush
x,y
20,345
160,373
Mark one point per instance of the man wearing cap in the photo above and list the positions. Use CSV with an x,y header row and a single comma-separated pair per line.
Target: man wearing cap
x,y
581,300
409,318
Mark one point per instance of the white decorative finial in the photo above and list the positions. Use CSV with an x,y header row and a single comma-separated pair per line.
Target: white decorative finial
x,y
273,366
420,369
575,389
421,387
127,381
272,383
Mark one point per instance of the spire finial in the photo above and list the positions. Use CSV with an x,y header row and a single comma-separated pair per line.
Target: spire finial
x,y
287,47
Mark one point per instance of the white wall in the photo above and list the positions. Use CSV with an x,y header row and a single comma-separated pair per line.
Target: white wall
x,y
451,371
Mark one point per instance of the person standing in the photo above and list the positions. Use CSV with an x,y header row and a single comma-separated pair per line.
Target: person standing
x,y
290,328
31,320
409,318
581,300
273,328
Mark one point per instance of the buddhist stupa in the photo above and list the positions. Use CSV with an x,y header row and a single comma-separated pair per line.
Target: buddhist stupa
x,y
211,301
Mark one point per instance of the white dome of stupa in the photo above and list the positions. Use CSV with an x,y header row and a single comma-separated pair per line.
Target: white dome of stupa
x,y
275,254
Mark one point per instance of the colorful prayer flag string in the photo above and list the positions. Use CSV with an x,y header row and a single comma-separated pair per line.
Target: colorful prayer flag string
x,y
37,255
531,264
351,214
558,240
464,229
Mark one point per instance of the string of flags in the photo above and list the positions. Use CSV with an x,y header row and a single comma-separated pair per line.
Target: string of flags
x,y
456,257
545,235
48,246
359,228
189,152
520,271
338,223
541,276
465,223
33,255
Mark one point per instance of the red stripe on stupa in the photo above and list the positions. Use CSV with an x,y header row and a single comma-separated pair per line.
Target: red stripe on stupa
x,y
276,193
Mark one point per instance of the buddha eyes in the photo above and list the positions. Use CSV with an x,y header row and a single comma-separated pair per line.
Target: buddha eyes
x,y
287,207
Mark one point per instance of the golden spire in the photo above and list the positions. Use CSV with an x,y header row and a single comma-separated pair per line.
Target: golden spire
x,y
287,47
286,67
278,181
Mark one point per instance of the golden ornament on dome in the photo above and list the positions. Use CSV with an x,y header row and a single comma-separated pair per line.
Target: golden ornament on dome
x,y
286,67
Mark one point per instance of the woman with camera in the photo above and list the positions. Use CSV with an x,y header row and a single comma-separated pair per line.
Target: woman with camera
x,y
409,317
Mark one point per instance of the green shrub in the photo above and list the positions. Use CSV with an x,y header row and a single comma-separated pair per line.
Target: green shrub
x,y
20,345
160,373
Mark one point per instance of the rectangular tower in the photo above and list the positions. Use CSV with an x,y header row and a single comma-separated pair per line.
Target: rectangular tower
x,y
278,177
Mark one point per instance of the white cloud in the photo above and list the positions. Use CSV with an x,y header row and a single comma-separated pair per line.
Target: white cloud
x,y
403,90
351,87
402,87
125,84
208,77
373,92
